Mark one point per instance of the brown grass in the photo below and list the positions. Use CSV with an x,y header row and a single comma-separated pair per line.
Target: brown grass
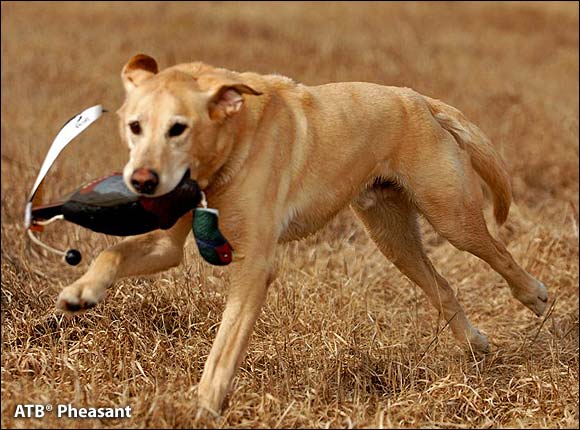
x,y
344,340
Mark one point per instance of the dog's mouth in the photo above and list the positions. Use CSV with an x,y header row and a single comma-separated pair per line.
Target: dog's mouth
x,y
185,178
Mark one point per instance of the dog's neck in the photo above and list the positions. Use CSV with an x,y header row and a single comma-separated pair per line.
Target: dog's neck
x,y
232,165
239,150
239,145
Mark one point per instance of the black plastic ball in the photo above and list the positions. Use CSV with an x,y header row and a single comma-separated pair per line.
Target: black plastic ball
x,y
73,257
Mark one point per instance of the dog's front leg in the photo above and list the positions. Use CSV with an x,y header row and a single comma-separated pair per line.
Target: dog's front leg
x,y
137,255
249,283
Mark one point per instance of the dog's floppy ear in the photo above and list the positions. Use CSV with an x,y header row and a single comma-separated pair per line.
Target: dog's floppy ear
x,y
138,69
228,99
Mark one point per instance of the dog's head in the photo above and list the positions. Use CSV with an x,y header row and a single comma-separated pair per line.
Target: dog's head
x,y
171,121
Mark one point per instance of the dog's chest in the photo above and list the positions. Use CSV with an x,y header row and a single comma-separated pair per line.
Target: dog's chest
x,y
302,222
301,228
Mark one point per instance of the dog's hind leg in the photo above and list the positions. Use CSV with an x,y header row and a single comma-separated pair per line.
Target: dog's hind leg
x,y
137,255
448,193
391,221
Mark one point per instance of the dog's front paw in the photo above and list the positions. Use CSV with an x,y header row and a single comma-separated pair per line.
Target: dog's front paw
x,y
477,342
80,296
205,413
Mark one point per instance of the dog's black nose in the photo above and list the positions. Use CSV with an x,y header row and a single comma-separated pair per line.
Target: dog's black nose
x,y
144,180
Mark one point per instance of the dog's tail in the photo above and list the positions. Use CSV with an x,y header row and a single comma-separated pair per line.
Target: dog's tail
x,y
484,158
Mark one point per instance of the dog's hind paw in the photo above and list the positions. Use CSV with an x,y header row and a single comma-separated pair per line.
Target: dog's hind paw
x,y
534,298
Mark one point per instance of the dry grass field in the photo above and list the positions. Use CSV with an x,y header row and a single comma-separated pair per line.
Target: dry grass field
x,y
344,340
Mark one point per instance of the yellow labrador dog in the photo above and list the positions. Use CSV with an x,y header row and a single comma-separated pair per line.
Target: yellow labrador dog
x,y
285,156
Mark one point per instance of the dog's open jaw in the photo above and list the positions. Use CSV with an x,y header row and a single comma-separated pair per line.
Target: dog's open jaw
x,y
186,175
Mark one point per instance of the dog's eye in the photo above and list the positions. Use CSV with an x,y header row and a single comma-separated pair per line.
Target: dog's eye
x,y
176,129
135,127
